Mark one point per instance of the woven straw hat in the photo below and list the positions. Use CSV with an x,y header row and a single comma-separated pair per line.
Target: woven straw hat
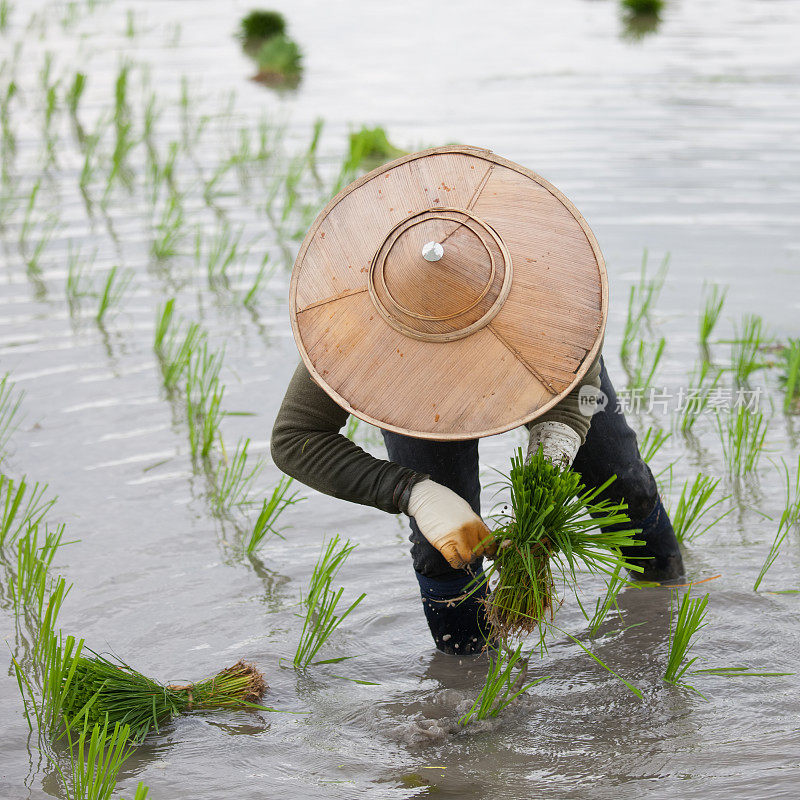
x,y
449,294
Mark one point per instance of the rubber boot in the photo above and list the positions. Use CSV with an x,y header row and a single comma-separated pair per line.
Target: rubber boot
x,y
660,555
458,626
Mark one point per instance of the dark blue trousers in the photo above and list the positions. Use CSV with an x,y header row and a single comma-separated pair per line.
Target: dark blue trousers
x,y
610,448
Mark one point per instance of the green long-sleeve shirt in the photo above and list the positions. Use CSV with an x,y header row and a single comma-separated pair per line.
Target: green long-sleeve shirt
x,y
307,444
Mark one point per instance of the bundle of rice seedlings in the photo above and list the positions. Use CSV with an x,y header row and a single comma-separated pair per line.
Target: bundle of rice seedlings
x,y
259,26
280,62
551,514
102,689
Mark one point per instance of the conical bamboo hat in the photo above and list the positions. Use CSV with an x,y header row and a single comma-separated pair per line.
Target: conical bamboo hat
x,y
489,336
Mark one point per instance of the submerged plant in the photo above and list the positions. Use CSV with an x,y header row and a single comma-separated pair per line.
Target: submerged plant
x,y
102,689
691,618
272,507
322,602
505,682
549,517
693,505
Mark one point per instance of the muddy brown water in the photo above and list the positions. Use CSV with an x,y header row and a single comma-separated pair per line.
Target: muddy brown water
x,y
683,142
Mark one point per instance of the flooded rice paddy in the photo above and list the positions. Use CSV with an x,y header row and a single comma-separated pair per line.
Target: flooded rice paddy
x,y
682,142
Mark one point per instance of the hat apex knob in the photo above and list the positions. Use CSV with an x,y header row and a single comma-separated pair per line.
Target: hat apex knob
x,y
432,251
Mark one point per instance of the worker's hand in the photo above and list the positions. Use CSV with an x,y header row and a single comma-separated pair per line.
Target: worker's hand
x,y
558,441
449,524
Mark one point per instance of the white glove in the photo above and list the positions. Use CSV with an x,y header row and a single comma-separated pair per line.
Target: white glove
x,y
449,524
558,441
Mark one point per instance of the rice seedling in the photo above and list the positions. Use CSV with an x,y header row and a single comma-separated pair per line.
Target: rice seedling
x,y
641,17
123,128
742,436
652,442
49,614
280,62
604,604
505,682
104,689
329,562
20,508
89,144
790,518
114,288
30,582
791,376
738,672
691,618
549,516
5,14
9,138
322,602
643,6
96,758
173,346
712,308
641,300
77,284
259,26
57,661
352,426
223,250
10,401
263,274
694,504
234,478
746,347
702,382
369,148
204,400
272,507
643,369
141,792
169,229
75,93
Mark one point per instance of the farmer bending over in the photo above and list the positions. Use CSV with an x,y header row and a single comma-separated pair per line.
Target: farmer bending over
x,y
450,295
